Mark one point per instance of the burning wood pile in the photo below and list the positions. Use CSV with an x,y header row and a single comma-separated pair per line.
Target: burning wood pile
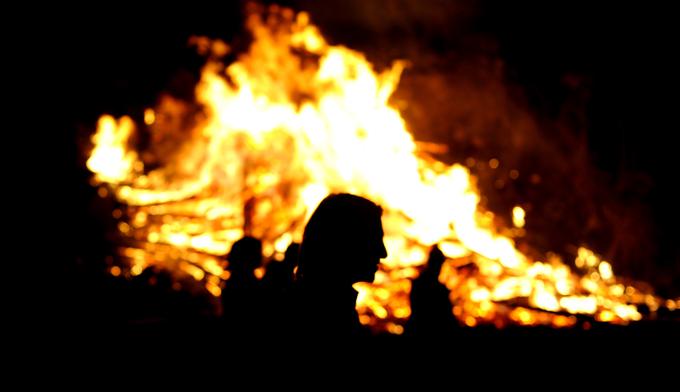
x,y
293,119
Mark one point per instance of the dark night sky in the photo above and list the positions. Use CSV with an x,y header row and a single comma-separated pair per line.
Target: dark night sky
x,y
116,59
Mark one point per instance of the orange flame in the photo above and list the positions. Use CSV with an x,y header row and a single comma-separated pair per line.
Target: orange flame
x,y
294,119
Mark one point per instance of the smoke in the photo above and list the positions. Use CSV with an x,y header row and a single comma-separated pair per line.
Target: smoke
x,y
493,83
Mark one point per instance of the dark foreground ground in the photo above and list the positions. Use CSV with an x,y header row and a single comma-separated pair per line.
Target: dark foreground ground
x,y
115,311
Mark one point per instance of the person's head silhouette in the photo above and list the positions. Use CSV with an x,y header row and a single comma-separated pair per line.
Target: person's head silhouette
x,y
435,261
342,243
243,307
245,256
279,275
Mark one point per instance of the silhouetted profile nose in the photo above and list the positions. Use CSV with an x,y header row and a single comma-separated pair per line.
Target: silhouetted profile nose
x,y
382,251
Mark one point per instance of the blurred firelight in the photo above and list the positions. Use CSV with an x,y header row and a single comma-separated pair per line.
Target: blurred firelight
x,y
293,119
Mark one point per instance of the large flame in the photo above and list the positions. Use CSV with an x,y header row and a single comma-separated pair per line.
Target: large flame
x,y
294,119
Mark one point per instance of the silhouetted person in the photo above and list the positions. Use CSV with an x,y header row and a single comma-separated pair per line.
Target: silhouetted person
x,y
279,276
342,245
431,310
278,291
242,301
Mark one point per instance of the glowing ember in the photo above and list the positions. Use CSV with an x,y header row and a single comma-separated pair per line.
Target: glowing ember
x,y
518,215
294,119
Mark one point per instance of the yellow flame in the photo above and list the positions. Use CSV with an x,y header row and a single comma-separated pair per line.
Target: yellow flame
x,y
149,116
518,216
605,270
111,160
293,119
579,304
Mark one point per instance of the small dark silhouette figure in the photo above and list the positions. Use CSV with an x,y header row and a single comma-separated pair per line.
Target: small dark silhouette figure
x,y
279,276
278,283
242,301
431,310
342,245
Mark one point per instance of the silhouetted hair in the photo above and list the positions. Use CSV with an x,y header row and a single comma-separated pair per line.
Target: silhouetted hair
x,y
245,255
341,230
